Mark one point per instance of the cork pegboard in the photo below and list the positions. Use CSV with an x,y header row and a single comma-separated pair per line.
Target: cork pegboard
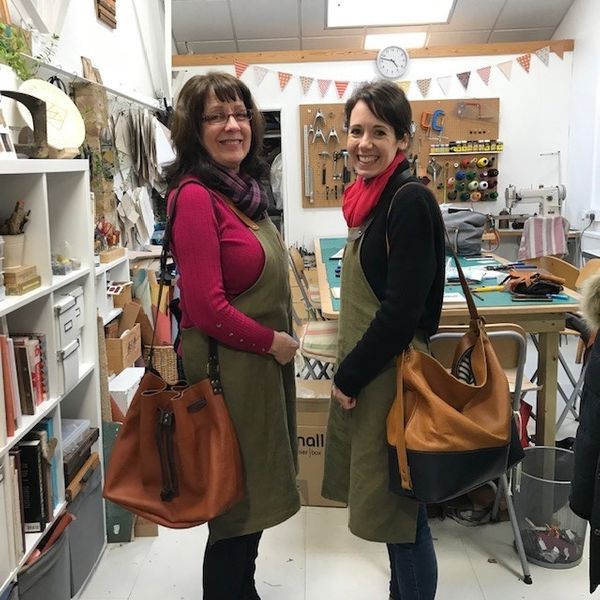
x,y
324,134
472,119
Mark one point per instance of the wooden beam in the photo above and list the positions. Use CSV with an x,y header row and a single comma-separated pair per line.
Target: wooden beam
x,y
299,56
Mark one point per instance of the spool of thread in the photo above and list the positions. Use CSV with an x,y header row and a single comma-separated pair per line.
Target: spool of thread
x,y
461,186
483,162
492,172
483,185
493,183
471,175
464,163
476,196
459,175
493,195
452,195
473,185
464,196
484,173
450,182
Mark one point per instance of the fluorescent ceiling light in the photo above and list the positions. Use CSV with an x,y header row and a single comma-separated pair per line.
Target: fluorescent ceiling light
x,y
412,39
371,13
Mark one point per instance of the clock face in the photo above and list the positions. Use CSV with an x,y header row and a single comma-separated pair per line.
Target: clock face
x,y
392,62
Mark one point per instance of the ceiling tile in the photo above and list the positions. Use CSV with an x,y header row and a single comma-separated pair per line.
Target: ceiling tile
x,y
260,18
472,14
452,38
520,35
313,21
327,43
212,47
201,20
271,45
518,14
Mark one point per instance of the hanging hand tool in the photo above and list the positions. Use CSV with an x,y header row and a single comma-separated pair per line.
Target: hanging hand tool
x,y
333,134
336,155
318,115
345,170
324,156
319,134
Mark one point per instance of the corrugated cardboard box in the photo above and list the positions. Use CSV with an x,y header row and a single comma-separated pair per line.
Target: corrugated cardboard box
x,y
123,351
312,408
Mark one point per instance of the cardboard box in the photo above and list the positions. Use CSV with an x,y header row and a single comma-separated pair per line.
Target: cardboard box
x,y
123,351
123,387
145,528
124,296
312,409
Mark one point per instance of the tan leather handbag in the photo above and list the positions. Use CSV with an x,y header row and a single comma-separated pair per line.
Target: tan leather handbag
x,y
176,460
448,433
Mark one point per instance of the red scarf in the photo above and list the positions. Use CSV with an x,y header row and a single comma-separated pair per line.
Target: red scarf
x,y
361,197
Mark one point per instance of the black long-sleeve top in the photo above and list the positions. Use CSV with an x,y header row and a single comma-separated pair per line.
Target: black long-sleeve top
x,y
409,282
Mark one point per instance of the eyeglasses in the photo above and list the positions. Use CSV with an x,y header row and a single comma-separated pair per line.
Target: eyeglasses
x,y
241,116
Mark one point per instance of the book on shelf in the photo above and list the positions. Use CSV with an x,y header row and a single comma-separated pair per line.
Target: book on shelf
x,y
41,353
48,447
7,555
47,425
12,401
34,364
3,415
32,486
24,382
18,513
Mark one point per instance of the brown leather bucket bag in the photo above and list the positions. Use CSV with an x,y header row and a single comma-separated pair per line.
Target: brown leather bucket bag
x,y
449,434
176,460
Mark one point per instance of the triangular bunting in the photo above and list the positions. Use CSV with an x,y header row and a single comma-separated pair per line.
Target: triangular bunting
x,y
558,49
259,74
424,86
506,68
323,86
404,85
306,82
284,79
341,86
240,67
484,73
543,54
525,61
464,78
444,83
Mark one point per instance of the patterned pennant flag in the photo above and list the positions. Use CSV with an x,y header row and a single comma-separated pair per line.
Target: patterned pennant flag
x,y
284,79
444,83
259,74
306,82
543,54
506,68
464,78
240,67
424,86
525,61
484,73
558,50
341,87
324,86
404,85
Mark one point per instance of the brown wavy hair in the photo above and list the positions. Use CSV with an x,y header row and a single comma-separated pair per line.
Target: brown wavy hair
x,y
192,158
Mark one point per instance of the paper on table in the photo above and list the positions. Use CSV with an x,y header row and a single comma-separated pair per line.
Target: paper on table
x,y
471,273
452,297
335,292
339,254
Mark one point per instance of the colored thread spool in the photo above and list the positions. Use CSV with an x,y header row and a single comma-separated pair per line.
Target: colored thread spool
x,y
450,182
476,196
484,173
452,195
461,186
471,175
494,195
473,185
483,162
483,185
459,175
464,163
493,183
465,196
492,172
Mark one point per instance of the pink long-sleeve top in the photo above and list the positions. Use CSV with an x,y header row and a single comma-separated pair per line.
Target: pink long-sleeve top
x,y
218,258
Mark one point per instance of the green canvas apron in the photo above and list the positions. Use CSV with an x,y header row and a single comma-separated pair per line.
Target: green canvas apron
x,y
261,397
356,455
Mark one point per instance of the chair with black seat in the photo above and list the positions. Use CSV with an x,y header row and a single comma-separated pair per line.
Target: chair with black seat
x,y
510,344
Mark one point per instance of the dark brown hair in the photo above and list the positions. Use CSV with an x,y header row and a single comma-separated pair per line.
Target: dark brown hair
x,y
387,102
192,157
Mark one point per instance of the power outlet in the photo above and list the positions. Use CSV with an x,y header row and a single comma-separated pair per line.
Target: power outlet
x,y
589,215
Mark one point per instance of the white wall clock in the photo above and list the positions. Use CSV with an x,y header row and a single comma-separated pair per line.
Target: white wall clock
x,y
392,62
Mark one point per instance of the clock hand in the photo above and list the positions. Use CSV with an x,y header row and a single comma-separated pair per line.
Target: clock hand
x,y
390,60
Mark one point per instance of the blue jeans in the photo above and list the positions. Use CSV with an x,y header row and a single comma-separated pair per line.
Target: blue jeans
x,y
414,566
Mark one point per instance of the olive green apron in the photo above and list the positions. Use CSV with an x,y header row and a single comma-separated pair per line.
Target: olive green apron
x,y
261,397
356,455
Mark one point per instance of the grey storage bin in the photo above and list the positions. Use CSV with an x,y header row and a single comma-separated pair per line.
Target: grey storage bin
x,y
86,532
50,576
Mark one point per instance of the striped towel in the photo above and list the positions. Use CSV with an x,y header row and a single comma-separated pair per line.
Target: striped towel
x,y
544,236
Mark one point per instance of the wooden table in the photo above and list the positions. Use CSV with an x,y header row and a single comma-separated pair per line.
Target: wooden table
x,y
544,318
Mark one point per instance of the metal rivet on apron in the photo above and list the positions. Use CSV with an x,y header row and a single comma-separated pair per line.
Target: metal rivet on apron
x,y
231,335
596,531
219,324
241,339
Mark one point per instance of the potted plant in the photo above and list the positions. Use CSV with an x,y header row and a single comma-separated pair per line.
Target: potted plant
x,y
13,47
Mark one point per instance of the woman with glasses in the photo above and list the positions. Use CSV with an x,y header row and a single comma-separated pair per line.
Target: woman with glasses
x,y
233,282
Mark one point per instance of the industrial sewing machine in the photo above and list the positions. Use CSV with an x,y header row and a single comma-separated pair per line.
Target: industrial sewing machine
x,y
547,201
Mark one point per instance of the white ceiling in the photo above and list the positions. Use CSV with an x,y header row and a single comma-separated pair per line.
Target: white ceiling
x,y
213,26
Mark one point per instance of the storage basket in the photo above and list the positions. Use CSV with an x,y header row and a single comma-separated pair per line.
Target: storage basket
x,y
164,360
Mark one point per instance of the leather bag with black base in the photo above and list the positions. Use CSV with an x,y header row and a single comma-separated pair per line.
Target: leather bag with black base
x,y
447,436
176,460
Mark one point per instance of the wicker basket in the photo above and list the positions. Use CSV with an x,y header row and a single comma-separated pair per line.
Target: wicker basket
x,y
164,360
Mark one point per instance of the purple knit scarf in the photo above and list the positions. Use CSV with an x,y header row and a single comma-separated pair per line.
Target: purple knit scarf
x,y
245,192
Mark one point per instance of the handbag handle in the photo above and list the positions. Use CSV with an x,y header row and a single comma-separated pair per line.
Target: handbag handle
x,y
212,367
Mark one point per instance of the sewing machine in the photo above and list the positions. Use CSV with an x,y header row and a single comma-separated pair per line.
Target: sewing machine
x,y
547,200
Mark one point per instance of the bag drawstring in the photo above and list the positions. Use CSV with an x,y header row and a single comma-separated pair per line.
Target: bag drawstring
x,y
164,442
